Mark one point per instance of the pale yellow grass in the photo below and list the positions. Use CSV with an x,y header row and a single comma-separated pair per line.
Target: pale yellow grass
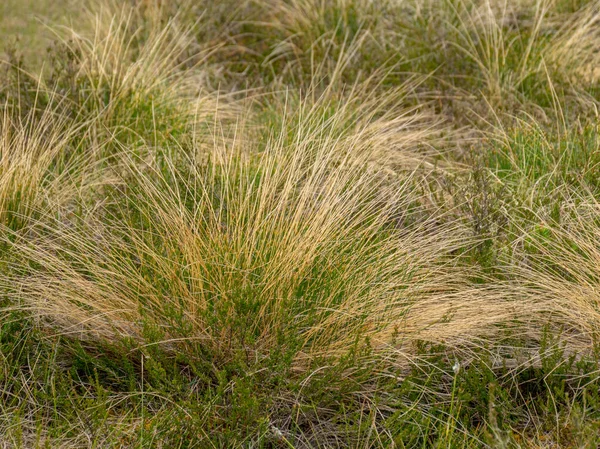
x,y
29,146
563,274
301,222
305,214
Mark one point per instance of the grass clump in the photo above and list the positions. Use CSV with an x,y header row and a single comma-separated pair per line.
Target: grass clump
x,y
302,224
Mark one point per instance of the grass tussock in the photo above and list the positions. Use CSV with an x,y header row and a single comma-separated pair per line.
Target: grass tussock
x,y
562,270
302,224
36,166
300,241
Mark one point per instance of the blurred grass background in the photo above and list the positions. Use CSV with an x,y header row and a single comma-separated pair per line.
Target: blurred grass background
x,y
24,20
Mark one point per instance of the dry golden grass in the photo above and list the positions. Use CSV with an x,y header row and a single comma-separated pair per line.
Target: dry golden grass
x,y
307,196
574,49
143,207
31,151
298,237
562,273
